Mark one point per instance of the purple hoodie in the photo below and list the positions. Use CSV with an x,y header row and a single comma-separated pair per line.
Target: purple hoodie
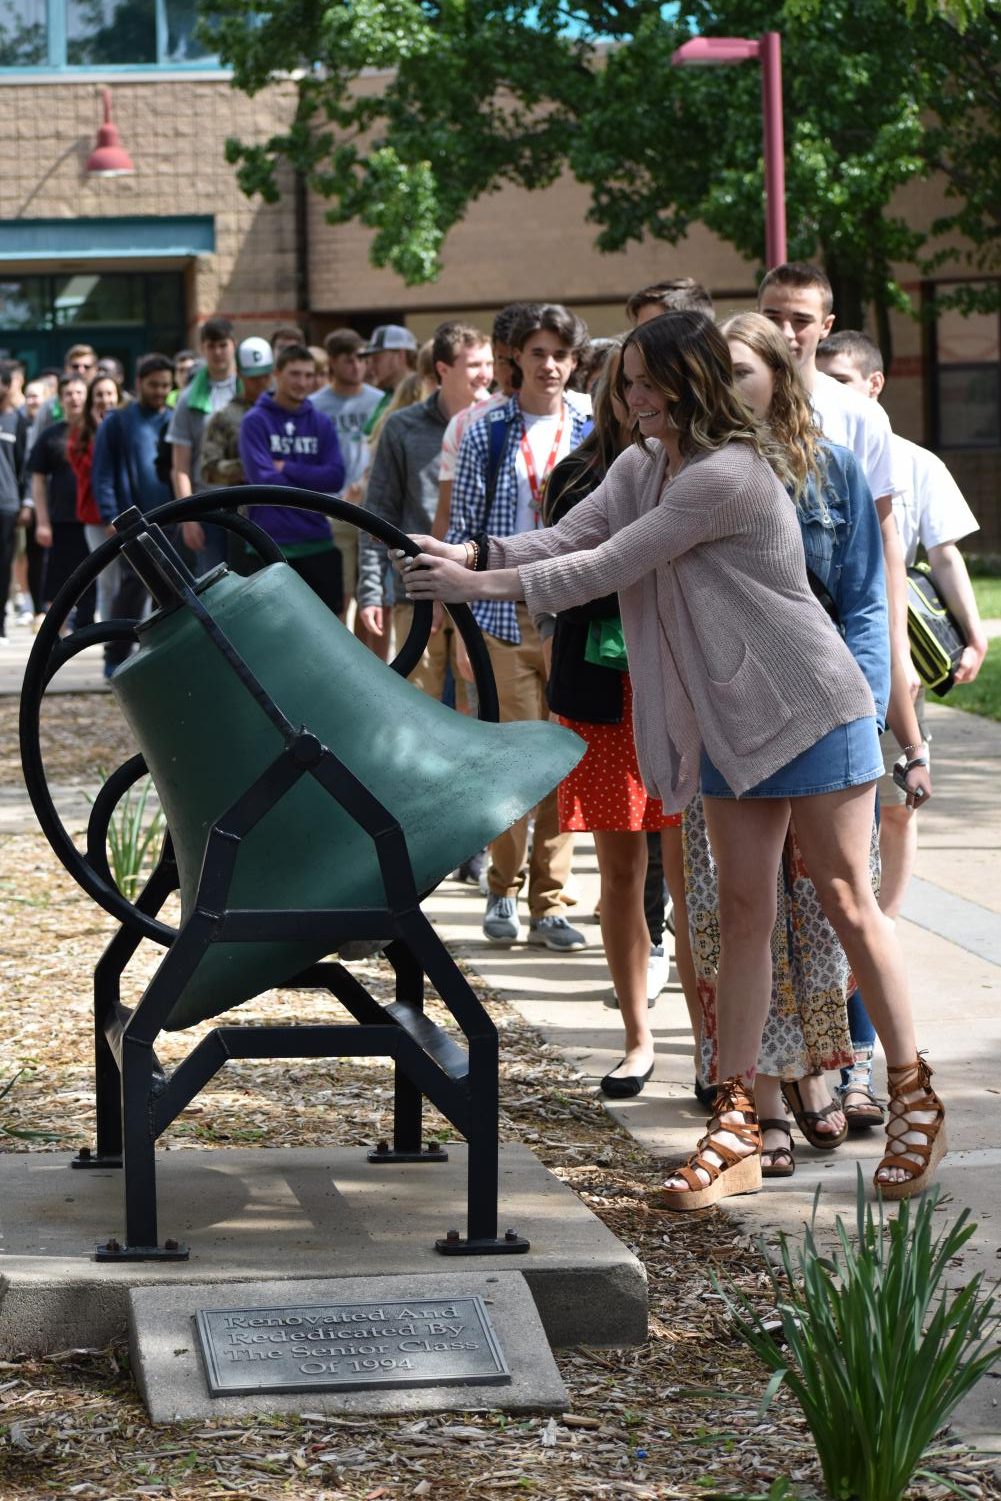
x,y
306,442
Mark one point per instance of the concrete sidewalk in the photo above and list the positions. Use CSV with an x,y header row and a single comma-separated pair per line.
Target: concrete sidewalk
x,y
85,674
952,941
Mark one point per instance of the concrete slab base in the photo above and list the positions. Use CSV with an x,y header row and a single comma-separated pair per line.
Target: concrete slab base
x,y
168,1366
308,1213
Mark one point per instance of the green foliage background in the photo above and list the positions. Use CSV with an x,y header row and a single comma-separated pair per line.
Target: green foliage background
x,y
470,95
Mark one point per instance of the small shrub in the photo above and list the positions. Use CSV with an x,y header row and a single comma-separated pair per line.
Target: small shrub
x,y
873,1345
19,1133
134,837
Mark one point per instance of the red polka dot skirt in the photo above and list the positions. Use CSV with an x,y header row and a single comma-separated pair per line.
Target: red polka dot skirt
x,y
605,790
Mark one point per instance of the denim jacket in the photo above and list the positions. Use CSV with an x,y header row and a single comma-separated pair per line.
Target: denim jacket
x,y
844,548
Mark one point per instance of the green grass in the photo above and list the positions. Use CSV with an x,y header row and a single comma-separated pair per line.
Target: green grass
x,y
984,695
988,592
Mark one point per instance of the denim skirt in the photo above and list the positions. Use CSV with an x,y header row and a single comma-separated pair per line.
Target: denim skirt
x,y
847,756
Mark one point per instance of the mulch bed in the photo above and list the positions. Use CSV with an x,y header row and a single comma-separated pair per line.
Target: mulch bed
x,y
677,1417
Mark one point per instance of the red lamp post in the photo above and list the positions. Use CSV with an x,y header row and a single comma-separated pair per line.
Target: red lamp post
x,y
712,50
109,157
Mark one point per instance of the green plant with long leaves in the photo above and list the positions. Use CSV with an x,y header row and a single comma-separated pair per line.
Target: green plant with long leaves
x,y
19,1132
872,1343
135,833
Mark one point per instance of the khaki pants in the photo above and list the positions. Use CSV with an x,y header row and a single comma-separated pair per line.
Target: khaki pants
x,y
439,655
521,690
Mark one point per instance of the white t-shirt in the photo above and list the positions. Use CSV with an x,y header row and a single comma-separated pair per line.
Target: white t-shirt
x,y
541,435
455,429
929,507
858,424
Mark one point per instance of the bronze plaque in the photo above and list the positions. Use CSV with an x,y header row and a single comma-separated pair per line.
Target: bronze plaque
x,y
350,1346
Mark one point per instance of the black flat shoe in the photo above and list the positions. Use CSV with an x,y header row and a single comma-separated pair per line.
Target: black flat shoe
x,y
624,1087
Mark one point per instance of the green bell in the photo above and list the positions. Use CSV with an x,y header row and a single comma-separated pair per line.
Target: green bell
x,y
453,783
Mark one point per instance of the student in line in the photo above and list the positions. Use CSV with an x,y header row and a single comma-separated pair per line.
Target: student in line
x,y
746,692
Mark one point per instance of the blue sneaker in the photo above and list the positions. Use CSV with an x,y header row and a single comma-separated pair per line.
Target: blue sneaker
x,y
500,921
555,933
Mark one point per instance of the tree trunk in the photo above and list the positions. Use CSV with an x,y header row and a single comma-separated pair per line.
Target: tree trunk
x,y
884,334
850,303
849,296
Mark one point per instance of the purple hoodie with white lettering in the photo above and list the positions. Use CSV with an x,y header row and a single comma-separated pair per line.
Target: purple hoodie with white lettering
x,y
306,444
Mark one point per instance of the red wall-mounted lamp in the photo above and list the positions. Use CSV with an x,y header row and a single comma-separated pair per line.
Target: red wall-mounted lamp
x,y
109,157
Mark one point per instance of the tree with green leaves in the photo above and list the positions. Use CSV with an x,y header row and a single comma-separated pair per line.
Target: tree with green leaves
x,y
469,95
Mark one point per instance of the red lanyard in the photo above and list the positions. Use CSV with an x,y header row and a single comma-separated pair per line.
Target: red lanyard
x,y
534,483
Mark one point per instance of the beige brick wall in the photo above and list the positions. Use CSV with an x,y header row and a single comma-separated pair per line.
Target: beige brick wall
x,y
512,244
515,245
174,131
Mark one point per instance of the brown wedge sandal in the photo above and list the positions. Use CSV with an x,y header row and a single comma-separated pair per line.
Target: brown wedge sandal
x,y
906,1080
739,1174
806,1120
777,1162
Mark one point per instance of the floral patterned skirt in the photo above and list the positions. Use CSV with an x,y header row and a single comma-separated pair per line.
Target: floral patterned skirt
x,y
807,1027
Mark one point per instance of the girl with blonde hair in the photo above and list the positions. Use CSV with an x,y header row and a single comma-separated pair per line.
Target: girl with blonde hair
x,y
806,1028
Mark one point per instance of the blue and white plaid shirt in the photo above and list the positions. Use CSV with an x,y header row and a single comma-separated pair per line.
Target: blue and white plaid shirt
x,y
496,617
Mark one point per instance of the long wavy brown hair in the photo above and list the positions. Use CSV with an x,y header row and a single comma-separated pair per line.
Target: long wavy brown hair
x,y
595,455
790,416
688,360
90,423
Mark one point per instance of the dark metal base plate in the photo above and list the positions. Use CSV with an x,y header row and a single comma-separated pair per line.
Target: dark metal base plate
x,y
86,1158
491,1245
390,1154
113,1250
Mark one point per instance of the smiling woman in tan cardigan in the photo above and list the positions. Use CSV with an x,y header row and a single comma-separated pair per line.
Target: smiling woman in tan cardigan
x,y
742,687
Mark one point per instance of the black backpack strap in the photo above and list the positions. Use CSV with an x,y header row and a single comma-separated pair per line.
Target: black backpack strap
x,y
824,595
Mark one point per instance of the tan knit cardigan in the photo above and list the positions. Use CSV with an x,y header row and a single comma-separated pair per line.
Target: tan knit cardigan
x,y
727,645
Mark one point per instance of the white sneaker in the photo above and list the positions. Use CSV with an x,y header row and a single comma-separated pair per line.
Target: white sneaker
x,y
658,967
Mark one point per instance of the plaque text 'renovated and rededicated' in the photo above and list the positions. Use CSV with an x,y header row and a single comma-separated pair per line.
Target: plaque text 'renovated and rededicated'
x,y
429,1342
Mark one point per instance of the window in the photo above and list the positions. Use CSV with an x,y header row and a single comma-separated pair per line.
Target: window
x,y
101,34
96,298
110,31
24,33
124,313
966,376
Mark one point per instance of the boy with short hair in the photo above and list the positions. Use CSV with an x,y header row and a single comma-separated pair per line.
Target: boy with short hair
x,y
284,440
504,461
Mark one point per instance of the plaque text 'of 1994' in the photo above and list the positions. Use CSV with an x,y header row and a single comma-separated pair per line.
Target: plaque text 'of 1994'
x,y
346,1346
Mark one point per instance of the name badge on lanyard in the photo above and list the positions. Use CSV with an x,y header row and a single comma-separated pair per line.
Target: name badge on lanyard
x,y
535,484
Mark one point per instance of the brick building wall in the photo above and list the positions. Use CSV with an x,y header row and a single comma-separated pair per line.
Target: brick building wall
x,y
511,245
174,129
